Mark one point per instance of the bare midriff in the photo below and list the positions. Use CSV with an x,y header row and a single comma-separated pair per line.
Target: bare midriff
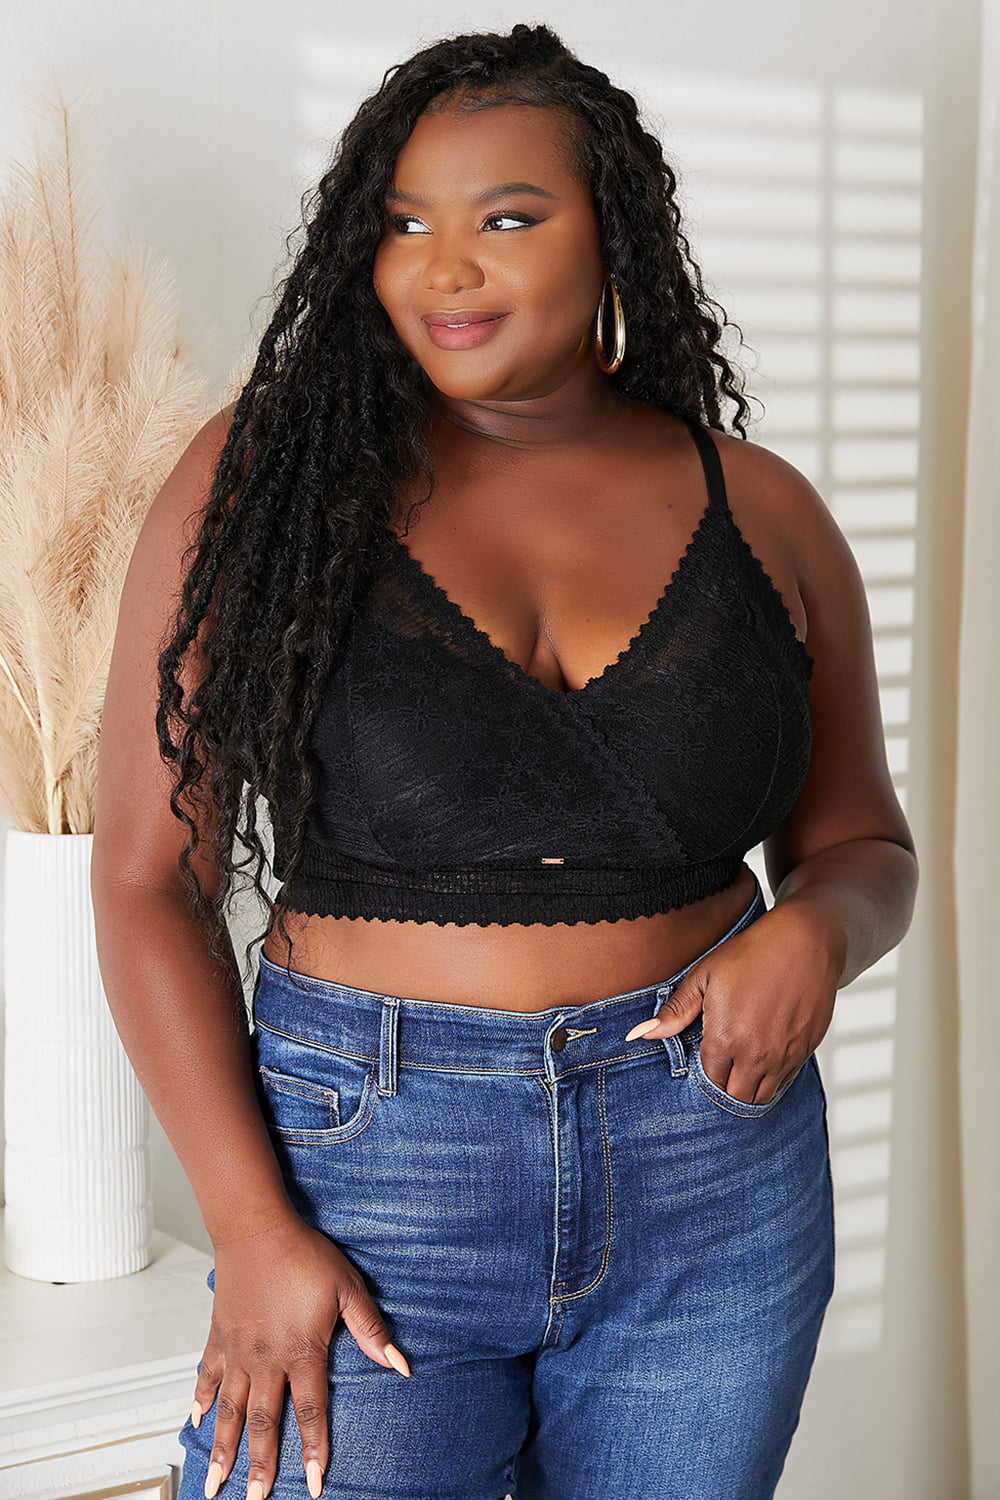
x,y
524,968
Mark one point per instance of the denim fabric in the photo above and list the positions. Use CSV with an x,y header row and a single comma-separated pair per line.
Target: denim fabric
x,y
608,1276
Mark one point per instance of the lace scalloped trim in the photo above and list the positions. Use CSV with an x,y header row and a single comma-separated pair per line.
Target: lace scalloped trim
x,y
434,590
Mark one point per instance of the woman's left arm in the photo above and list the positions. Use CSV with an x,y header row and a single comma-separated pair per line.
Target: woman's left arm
x,y
842,863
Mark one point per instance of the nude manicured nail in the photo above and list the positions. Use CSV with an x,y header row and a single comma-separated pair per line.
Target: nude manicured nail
x,y
314,1478
643,1029
214,1479
255,1490
196,1415
397,1361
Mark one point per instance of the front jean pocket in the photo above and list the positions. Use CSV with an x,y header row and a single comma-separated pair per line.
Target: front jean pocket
x,y
719,1096
310,1094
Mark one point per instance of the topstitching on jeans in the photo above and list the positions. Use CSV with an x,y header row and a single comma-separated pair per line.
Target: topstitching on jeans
x,y
609,1199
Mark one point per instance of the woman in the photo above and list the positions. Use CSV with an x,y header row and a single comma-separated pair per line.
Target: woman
x,y
534,1120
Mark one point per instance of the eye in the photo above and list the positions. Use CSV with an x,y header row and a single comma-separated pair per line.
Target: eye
x,y
401,223
404,224
519,221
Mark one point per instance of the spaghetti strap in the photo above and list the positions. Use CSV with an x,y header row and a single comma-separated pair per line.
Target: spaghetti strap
x,y
711,463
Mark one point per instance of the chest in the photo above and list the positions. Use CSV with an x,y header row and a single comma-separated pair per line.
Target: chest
x,y
562,596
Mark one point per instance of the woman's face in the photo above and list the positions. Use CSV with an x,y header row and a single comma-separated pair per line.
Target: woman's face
x,y
490,265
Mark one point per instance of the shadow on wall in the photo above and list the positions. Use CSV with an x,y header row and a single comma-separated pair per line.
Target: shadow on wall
x,y
805,206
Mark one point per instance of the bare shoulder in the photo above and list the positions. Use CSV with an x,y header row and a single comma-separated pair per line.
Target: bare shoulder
x,y
172,520
156,571
766,492
197,464
160,557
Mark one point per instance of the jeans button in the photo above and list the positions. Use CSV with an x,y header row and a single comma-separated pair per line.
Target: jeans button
x,y
558,1039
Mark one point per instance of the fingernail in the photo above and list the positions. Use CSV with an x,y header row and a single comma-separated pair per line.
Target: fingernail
x,y
214,1478
397,1361
196,1415
255,1490
314,1478
643,1029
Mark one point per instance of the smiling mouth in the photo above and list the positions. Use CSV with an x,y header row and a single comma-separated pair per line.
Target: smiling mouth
x,y
461,330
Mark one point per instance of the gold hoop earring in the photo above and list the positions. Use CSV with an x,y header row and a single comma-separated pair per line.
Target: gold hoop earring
x,y
609,366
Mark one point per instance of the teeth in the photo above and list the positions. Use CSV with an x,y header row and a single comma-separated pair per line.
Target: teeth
x,y
468,324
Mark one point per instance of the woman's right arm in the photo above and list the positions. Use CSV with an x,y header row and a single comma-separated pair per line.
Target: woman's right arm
x,y
280,1285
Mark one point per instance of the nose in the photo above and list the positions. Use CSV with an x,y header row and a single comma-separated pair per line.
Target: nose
x,y
449,269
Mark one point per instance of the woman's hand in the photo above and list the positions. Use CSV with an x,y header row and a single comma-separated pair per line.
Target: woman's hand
x,y
767,997
278,1295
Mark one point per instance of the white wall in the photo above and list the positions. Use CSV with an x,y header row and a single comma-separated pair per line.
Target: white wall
x,y
826,152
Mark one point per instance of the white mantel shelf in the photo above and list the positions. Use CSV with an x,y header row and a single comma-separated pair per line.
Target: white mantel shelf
x,y
96,1378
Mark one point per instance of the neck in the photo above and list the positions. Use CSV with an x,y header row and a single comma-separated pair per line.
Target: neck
x,y
574,412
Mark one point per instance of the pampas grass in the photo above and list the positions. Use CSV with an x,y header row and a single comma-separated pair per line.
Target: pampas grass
x,y
97,403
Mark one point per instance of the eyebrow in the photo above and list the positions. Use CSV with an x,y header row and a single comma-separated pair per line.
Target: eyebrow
x,y
501,190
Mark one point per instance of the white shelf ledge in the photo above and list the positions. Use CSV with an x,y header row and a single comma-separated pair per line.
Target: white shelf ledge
x,y
96,1377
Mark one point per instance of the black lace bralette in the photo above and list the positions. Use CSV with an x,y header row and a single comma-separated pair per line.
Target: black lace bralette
x,y
457,788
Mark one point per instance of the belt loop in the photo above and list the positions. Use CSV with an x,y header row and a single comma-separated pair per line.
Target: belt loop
x,y
678,1056
673,1044
388,1047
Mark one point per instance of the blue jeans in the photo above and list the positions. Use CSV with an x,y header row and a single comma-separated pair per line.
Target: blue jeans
x,y
608,1276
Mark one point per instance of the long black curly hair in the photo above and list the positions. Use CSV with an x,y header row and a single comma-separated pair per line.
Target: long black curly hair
x,y
332,422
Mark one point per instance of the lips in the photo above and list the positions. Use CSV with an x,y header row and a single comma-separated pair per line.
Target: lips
x,y
462,329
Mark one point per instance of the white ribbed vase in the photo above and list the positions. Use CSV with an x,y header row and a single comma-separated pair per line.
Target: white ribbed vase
x,y
76,1122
